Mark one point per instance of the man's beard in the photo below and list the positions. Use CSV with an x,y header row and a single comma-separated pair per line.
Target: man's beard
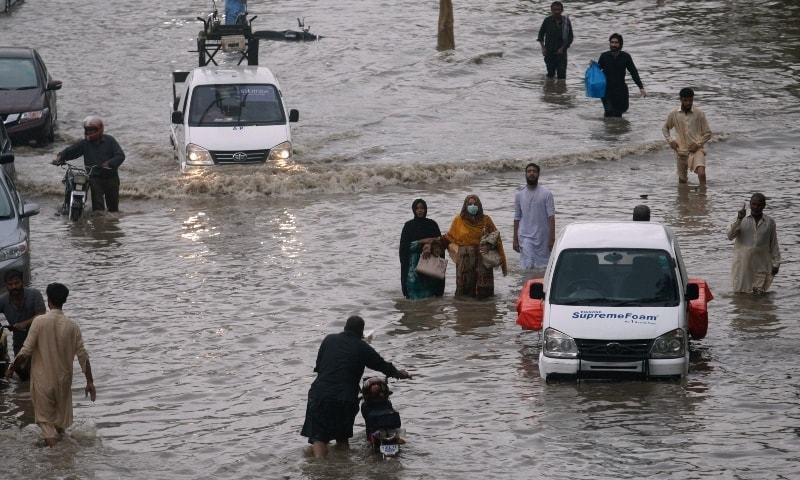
x,y
533,182
15,291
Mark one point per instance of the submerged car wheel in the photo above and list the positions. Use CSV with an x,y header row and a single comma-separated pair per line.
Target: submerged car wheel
x,y
47,134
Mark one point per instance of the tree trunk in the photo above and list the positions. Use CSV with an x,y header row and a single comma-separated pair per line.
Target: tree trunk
x,y
445,39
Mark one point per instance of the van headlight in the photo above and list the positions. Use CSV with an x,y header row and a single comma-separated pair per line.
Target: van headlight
x,y
13,251
281,151
670,345
197,155
559,345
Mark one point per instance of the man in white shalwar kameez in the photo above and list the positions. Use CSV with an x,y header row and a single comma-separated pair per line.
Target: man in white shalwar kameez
x,y
52,344
756,254
534,221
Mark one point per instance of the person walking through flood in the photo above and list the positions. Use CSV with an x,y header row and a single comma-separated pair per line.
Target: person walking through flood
x,y
555,37
420,236
333,397
691,134
102,152
614,64
20,305
463,241
53,343
534,221
756,254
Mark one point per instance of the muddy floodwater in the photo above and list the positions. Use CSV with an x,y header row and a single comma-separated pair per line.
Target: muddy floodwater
x,y
203,302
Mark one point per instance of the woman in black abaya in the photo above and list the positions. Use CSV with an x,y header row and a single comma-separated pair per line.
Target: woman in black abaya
x,y
419,235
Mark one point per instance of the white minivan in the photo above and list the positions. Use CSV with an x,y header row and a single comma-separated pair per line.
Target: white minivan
x,y
229,115
615,300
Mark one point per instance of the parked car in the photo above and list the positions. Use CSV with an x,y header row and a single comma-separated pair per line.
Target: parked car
x,y
615,299
27,95
14,227
229,115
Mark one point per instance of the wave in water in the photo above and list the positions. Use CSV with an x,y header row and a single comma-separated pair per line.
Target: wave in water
x,y
326,176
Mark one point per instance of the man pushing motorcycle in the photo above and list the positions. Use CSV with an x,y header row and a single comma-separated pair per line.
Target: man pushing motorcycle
x,y
102,156
333,397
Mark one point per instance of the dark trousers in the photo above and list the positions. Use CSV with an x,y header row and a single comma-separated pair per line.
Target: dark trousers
x,y
556,64
105,193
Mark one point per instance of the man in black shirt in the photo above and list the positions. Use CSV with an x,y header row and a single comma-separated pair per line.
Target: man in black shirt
x,y
333,397
103,155
555,36
614,63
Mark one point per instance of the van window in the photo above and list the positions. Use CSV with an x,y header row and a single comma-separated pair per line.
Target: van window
x,y
608,277
246,104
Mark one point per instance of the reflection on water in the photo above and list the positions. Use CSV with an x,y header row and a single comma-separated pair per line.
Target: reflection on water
x,y
755,314
471,317
555,92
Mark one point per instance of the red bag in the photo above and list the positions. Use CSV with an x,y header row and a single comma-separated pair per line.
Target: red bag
x,y
698,310
530,311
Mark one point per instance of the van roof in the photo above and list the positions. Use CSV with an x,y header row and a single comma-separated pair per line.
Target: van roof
x,y
650,235
232,74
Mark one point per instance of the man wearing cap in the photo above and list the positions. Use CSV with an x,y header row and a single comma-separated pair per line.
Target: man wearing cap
x,y
333,397
103,155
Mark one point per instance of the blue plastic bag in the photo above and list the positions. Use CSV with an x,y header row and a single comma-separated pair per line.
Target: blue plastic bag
x,y
595,81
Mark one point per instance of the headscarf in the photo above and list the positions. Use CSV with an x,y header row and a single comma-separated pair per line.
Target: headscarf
x,y
467,230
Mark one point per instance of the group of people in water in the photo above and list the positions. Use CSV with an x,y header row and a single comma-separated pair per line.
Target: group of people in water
x,y
476,248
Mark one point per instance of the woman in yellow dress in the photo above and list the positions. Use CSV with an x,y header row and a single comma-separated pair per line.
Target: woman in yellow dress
x,y
463,240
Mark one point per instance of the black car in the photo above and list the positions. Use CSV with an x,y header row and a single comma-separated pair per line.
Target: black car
x,y
27,95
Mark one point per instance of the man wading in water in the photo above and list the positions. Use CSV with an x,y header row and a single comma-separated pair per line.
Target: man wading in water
x,y
614,64
333,397
53,342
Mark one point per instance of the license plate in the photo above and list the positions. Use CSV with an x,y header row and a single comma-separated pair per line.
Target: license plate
x,y
390,450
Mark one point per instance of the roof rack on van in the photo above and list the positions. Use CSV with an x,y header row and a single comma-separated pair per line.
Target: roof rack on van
x,y
236,35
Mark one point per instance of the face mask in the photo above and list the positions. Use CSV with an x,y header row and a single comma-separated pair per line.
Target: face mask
x,y
472,209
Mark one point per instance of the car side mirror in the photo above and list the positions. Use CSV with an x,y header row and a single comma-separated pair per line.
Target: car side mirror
x,y
294,115
54,85
30,209
537,291
6,158
692,291
177,117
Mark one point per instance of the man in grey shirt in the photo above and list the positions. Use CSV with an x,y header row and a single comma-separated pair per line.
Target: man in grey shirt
x,y
103,155
534,221
20,305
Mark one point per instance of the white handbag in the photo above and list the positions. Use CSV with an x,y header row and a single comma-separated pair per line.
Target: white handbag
x,y
432,266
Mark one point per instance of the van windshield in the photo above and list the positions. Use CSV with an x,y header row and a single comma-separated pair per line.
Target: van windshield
x,y
609,277
245,104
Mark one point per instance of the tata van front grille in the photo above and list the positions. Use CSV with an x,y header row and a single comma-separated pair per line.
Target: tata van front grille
x,y
239,156
613,350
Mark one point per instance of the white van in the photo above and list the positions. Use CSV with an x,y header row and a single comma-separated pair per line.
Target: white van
x,y
615,300
229,115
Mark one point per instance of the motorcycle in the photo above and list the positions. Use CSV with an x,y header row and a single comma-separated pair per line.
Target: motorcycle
x,y
76,187
381,419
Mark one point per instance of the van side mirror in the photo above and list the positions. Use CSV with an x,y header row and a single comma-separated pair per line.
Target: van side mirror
x,y
537,291
692,291
6,158
294,115
54,85
177,117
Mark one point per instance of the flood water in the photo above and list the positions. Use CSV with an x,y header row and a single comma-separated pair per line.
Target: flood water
x,y
203,302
